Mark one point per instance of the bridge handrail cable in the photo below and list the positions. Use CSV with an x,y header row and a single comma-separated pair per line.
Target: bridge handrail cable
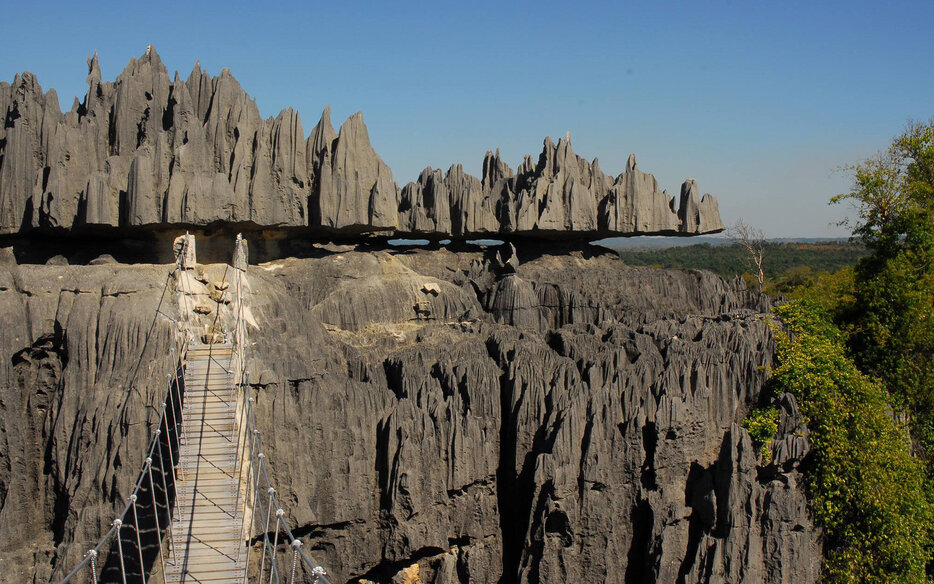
x,y
258,478
258,482
90,559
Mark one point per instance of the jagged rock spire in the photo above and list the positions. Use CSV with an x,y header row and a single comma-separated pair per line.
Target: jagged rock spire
x,y
147,150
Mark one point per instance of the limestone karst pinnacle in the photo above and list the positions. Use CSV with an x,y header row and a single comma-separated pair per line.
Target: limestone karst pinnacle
x,y
147,151
506,415
538,413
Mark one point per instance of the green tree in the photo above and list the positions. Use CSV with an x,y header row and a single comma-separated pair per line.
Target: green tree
x,y
832,291
892,321
866,489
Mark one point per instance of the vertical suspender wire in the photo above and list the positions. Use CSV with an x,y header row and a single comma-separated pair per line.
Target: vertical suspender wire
x,y
232,402
255,484
172,411
172,402
238,329
263,519
245,529
168,438
275,546
181,416
241,452
241,462
280,523
178,395
179,381
296,543
155,513
272,550
93,554
118,524
262,566
239,336
139,542
165,490
260,469
266,517
253,477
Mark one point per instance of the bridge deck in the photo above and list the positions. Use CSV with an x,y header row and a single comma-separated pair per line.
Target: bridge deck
x,y
206,536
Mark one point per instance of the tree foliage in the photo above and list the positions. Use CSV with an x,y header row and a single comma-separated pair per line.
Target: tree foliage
x,y
892,321
867,490
833,291
762,425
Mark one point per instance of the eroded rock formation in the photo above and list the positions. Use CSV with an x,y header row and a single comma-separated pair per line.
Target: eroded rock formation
x,y
147,151
429,416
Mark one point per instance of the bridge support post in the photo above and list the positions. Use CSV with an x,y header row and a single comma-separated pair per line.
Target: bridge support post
x,y
241,255
184,248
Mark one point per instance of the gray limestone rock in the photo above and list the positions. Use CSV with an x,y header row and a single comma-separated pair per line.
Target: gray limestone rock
x,y
7,259
146,151
58,260
698,214
103,259
792,443
574,420
507,259
76,407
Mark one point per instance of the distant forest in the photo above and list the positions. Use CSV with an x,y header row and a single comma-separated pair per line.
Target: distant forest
x,y
782,259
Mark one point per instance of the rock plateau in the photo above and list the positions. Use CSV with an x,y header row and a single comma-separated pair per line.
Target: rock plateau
x,y
428,415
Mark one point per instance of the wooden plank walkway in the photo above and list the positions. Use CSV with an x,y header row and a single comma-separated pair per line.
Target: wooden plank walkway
x,y
206,536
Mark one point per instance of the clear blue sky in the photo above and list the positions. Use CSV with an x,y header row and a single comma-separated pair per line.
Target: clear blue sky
x,y
759,101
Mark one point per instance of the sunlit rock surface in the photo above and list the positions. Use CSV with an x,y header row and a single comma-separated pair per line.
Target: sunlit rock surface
x,y
473,416
151,151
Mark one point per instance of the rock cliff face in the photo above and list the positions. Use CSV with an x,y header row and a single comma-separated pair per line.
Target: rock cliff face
x,y
147,151
429,416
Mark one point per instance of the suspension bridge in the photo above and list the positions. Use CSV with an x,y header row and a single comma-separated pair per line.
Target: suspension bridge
x,y
203,501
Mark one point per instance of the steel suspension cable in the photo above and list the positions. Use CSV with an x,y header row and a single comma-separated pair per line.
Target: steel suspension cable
x,y
319,573
118,524
90,558
262,565
155,512
257,476
139,543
